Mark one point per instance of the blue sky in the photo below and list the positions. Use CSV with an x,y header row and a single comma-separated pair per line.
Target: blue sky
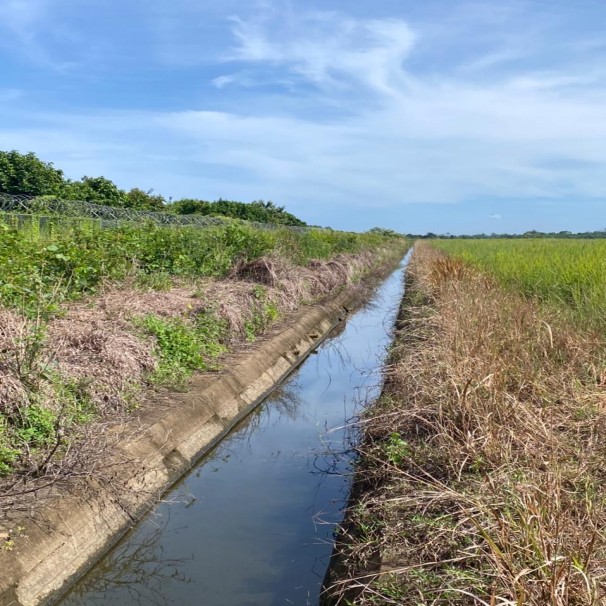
x,y
444,116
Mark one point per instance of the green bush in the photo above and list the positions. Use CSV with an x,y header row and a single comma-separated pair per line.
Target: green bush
x,y
26,174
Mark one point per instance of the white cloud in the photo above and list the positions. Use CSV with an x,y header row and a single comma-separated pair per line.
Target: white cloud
x,y
496,217
222,81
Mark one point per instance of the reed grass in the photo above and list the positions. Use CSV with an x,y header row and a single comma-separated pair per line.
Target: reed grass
x,y
569,275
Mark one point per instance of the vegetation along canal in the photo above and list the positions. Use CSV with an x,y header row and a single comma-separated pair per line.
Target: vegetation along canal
x,y
253,522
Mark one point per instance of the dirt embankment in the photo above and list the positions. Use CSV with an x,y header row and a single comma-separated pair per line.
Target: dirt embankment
x,y
75,499
482,465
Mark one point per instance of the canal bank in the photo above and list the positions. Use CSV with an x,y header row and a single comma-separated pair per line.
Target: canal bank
x,y
79,529
253,522
477,467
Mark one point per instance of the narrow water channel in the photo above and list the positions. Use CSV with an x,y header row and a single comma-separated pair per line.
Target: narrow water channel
x,y
253,523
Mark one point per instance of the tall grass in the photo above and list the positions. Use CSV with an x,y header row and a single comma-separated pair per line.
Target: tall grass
x,y
570,275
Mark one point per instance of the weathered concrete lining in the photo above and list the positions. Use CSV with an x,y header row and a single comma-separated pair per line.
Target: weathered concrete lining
x,y
81,526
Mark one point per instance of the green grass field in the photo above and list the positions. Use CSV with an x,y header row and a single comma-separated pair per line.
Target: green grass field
x,y
569,274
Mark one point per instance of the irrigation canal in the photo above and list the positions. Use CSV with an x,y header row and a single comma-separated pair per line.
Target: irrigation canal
x,y
253,523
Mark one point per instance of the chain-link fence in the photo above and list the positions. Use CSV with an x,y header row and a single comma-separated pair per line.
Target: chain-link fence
x,y
44,225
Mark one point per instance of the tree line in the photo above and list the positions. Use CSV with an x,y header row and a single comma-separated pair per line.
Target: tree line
x,y
26,174
598,233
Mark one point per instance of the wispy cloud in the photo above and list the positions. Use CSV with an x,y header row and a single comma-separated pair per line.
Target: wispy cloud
x,y
492,60
328,48
27,30
433,139
222,81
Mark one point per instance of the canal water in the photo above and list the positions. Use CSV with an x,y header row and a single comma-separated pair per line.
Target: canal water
x,y
253,523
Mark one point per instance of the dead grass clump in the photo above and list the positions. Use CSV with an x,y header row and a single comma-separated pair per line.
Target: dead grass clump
x,y
40,442
13,395
484,457
103,357
261,271
283,279
325,276
126,303
289,285
21,360
236,304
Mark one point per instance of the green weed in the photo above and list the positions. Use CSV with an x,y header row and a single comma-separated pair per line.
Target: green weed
x,y
397,450
183,346
80,258
264,312
36,425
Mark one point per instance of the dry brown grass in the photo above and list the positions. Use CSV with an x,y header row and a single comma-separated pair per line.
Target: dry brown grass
x,y
14,371
306,284
482,469
95,340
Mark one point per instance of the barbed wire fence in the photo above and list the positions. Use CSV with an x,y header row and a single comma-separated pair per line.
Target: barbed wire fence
x,y
49,210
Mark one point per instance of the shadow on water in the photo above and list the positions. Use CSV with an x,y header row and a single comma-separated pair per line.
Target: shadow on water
x,y
253,523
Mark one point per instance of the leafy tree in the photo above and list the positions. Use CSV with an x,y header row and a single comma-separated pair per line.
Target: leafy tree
x,y
189,206
259,210
95,189
144,200
381,231
27,174
268,212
